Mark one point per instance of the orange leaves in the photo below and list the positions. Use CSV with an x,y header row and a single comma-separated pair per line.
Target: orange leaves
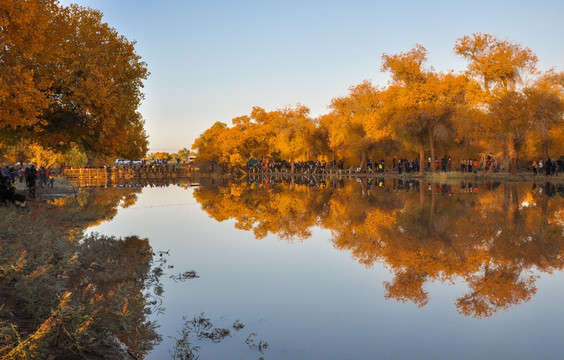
x,y
292,132
498,63
206,144
418,110
285,133
24,39
67,76
493,241
263,209
406,68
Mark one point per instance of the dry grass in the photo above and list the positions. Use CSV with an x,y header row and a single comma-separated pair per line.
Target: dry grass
x,y
48,305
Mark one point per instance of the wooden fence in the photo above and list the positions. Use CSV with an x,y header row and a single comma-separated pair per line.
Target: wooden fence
x,y
314,171
128,173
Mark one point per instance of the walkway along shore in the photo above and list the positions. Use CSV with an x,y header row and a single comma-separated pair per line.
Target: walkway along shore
x,y
129,173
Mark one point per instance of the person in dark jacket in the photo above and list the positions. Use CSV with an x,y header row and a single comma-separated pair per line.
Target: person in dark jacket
x,y
31,180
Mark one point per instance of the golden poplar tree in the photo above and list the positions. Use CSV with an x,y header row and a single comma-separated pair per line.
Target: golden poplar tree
x,y
68,77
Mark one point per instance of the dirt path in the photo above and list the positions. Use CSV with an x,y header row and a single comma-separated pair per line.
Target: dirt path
x,y
61,188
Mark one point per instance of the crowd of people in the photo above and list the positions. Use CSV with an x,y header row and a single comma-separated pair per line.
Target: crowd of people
x,y
548,167
311,166
10,175
403,165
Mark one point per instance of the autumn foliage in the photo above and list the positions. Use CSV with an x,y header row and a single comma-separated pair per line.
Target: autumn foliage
x,y
501,107
68,79
495,238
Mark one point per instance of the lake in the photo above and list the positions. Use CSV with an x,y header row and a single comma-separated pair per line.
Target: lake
x,y
352,269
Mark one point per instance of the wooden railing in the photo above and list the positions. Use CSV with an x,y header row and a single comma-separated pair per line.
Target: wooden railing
x,y
129,173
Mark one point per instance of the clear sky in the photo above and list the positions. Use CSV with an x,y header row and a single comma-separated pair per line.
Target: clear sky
x,y
214,60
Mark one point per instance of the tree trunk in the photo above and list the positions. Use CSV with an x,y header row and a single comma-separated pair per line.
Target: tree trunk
x,y
506,198
515,205
421,195
513,165
363,157
432,146
544,211
515,157
363,188
421,159
545,149
433,208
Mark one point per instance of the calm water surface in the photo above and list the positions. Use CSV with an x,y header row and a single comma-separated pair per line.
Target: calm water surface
x,y
358,269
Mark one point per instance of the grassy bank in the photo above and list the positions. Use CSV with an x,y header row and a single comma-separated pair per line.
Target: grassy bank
x,y
66,296
61,188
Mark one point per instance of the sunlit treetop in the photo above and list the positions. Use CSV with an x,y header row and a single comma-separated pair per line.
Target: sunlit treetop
x,y
69,77
499,64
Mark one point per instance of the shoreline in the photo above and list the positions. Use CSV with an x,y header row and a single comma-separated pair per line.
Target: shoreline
x,y
61,188
428,176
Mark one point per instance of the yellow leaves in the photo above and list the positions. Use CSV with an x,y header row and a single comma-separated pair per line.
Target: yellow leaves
x,y
292,131
406,68
285,133
236,190
57,79
23,39
421,103
85,325
418,108
13,266
207,144
29,345
498,63
88,289
419,237
356,122
43,157
160,155
40,270
125,307
236,160
407,286
496,289
380,220
263,209
488,200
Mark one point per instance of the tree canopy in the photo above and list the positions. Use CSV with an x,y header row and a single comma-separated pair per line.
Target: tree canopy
x,y
66,77
500,107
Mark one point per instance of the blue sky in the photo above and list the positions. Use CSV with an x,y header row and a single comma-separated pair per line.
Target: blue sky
x,y
214,60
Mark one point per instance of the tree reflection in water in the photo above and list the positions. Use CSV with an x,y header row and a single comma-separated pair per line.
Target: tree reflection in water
x,y
81,293
495,237
65,295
